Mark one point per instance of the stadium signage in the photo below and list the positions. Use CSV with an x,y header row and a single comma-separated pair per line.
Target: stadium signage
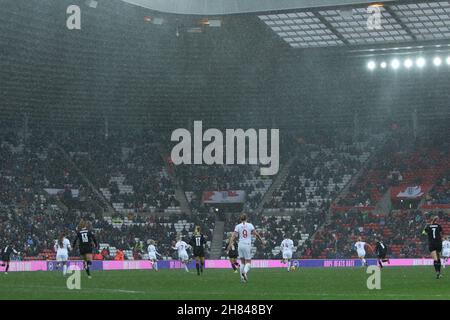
x,y
229,196
339,263
42,265
236,147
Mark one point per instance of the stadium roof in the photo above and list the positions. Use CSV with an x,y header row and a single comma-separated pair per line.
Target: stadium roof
x,y
407,23
330,23
227,7
121,67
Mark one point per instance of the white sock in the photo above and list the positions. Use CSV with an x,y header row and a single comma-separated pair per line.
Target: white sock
x,y
64,269
186,267
364,261
241,268
289,265
155,265
247,268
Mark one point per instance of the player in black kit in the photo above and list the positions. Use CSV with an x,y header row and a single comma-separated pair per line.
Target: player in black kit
x,y
87,244
6,256
434,231
198,242
233,254
381,252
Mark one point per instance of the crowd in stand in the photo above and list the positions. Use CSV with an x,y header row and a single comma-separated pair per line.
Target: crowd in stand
x,y
318,175
127,167
400,230
33,231
162,230
398,162
198,179
273,229
31,165
440,193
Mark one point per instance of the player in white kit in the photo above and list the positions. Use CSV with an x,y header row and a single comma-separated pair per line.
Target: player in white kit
x,y
62,248
361,250
152,254
244,231
287,248
183,256
445,251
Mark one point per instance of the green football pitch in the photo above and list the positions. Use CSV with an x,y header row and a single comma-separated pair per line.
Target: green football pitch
x,y
318,284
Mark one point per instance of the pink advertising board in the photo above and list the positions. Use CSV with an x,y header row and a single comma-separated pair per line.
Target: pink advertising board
x,y
27,266
127,265
211,264
410,262
225,264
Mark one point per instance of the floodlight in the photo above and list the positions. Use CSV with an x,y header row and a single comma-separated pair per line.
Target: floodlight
x,y
408,63
421,62
395,64
437,61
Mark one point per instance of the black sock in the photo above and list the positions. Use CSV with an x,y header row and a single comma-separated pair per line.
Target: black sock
x,y
7,267
202,264
380,263
197,266
233,265
437,266
88,266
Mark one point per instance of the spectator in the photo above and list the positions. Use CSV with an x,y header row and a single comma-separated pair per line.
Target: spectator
x,y
119,255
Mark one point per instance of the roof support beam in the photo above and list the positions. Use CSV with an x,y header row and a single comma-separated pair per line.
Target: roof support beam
x,y
400,22
331,28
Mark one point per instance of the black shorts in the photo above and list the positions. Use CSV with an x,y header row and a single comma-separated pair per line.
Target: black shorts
x,y
382,255
6,258
435,246
233,254
200,252
86,250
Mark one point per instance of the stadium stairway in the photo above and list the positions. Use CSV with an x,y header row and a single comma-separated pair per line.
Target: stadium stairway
x,y
217,240
58,202
364,168
277,183
179,192
384,206
96,192
181,197
346,188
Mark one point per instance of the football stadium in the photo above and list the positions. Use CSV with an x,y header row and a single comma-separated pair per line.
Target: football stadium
x,y
224,150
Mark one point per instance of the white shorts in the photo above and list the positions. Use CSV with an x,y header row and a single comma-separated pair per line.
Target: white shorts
x,y
183,256
446,253
62,257
245,252
287,254
152,256
361,253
